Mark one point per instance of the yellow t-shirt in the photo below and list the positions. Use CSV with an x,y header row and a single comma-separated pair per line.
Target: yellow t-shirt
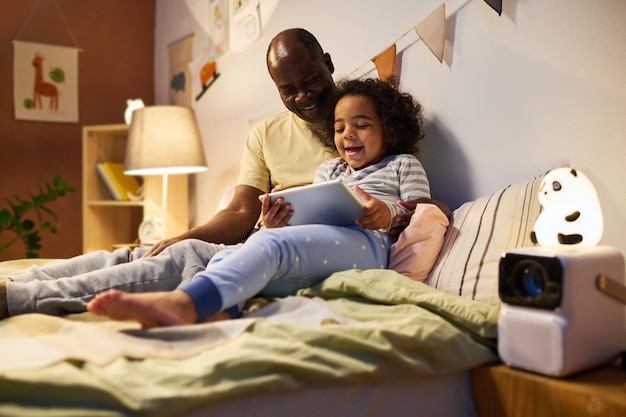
x,y
281,152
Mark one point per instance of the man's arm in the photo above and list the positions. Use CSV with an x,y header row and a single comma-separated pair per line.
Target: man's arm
x,y
229,226
411,205
402,220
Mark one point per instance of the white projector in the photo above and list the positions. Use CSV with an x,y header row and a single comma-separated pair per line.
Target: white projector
x,y
555,319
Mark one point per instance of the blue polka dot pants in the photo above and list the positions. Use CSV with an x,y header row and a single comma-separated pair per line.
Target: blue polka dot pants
x,y
278,262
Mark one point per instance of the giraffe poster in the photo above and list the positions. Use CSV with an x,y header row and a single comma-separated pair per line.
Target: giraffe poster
x,y
45,82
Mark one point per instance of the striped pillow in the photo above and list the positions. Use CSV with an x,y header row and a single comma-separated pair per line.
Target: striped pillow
x,y
480,232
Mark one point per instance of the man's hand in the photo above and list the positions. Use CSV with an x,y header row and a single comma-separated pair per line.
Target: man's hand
x,y
376,214
228,226
160,246
401,221
275,214
411,205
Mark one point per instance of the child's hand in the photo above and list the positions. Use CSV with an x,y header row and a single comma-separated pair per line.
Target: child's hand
x,y
275,214
376,214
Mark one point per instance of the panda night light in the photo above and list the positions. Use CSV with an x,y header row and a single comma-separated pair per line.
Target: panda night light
x,y
571,214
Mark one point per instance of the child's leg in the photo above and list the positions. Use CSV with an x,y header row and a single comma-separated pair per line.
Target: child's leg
x,y
329,250
284,260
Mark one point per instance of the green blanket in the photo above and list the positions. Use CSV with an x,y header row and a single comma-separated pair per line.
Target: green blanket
x,y
396,329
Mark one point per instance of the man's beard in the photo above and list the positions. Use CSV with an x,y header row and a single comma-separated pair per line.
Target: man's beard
x,y
323,130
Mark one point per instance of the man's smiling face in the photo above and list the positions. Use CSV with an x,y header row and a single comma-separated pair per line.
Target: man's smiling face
x,y
304,81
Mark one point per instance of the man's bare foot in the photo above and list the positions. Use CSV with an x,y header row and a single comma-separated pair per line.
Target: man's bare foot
x,y
153,309
4,306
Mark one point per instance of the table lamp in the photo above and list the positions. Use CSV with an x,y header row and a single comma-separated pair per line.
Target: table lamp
x,y
164,140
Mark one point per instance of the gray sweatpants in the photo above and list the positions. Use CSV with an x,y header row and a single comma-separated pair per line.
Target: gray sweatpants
x,y
67,286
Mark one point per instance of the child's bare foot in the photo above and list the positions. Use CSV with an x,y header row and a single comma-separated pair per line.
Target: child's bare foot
x,y
4,306
152,309
219,316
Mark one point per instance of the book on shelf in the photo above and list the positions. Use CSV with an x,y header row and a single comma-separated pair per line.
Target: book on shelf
x,y
118,183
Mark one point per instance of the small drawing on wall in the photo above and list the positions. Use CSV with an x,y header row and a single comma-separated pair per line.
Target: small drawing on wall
x,y
245,24
45,86
180,54
218,28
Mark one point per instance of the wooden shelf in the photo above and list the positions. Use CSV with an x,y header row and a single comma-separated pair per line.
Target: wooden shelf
x,y
115,203
107,222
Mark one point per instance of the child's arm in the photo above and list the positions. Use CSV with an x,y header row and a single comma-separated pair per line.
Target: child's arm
x,y
414,190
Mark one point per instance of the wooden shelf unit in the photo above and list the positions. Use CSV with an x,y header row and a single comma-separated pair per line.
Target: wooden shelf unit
x,y
107,222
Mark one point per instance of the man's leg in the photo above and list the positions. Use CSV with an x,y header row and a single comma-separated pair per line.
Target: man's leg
x,y
162,272
4,310
68,268
79,265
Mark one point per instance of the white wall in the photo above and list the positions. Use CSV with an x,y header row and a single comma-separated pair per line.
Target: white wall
x,y
542,85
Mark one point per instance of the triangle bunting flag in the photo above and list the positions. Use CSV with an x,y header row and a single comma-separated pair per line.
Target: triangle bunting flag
x,y
432,31
495,5
385,62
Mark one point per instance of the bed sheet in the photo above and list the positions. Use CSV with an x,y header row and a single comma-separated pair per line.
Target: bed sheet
x,y
376,327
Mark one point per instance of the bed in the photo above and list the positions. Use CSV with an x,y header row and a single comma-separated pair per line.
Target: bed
x,y
374,342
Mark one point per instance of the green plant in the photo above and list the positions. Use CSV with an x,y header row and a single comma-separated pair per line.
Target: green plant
x,y
25,228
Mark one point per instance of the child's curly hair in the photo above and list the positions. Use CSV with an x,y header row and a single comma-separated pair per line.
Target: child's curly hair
x,y
400,114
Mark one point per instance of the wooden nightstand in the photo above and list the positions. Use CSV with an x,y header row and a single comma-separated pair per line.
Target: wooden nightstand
x,y
500,391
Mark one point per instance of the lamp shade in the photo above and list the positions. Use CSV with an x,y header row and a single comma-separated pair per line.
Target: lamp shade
x,y
164,140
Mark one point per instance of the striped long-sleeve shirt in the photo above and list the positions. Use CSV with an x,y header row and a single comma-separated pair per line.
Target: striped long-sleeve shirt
x,y
396,177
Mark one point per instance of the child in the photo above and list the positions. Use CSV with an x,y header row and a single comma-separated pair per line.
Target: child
x,y
375,129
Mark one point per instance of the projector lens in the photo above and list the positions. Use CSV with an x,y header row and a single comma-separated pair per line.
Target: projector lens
x,y
529,279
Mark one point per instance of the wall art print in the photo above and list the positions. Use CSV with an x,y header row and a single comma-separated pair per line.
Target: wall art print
x,y
45,82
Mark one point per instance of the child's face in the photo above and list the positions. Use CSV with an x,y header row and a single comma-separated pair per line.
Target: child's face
x,y
358,132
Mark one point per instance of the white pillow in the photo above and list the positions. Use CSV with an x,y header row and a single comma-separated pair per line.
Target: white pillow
x,y
418,246
480,232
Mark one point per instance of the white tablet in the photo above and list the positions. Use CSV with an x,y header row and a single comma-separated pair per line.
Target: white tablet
x,y
330,202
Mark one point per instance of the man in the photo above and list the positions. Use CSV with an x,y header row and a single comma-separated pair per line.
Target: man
x,y
280,152
302,73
